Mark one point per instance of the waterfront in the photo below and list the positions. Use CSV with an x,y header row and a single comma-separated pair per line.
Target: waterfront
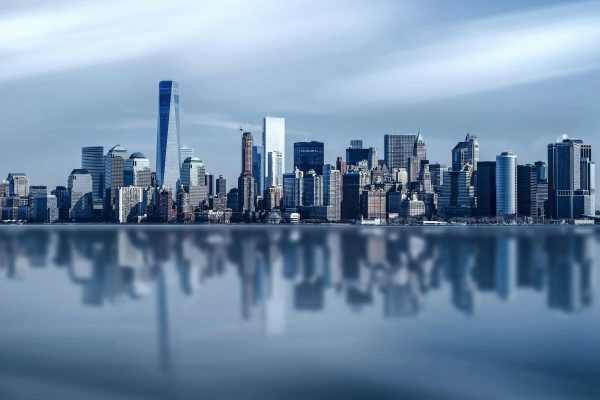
x,y
89,312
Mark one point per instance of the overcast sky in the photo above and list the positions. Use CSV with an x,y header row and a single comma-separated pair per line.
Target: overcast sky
x,y
516,73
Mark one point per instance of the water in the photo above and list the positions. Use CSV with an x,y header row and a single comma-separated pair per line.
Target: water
x,y
305,312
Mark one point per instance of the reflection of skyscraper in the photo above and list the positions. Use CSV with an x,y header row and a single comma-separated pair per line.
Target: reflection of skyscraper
x,y
168,158
506,267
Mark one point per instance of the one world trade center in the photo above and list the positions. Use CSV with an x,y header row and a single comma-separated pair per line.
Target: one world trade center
x,y
168,158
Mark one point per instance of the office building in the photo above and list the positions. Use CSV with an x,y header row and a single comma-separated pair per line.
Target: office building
x,y
80,191
457,197
397,149
114,178
541,170
209,181
221,188
356,156
92,160
506,184
137,171
45,209
18,185
272,198
63,202
273,141
246,180
356,143
571,179
466,152
193,181
527,203
130,204
486,189
309,156
293,187
168,157
437,176
353,184
313,189
373,204
258,168
332,191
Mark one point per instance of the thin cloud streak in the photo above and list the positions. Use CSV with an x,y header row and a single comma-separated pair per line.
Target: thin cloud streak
x,y
478,56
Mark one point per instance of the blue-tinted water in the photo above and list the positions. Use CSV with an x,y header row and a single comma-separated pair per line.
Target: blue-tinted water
x,y
313,312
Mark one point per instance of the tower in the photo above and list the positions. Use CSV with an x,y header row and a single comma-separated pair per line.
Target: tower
x,y
273,141
168,156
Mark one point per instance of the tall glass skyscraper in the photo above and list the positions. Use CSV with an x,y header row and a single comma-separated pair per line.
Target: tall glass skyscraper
x,y
92,160
309,155
258,169
168,156
273,141
506,184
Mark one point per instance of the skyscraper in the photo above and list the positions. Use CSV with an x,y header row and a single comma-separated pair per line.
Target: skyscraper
x,y
18,184
274,169
397,149
527,204
258,168
571,179
80,188
221,186
465,152
293,187
313,189
309,155
168,157
273,140
114,177
486,189
92,160
193,180
332,191
246,180
137,171
506,184
541,170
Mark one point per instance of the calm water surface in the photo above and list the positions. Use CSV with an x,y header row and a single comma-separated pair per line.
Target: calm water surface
x,y
306,312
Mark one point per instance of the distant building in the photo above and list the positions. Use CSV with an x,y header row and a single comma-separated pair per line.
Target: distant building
x,y
309,156
130,203
332,191
114,177
293,188
221,186
273,141
373,204
437,176
137,171
92,160
353,184
258,168
527,202
466,152
193,180
80,189
246,180
168,156
272,198
18,185
63,202
457,197
506,184
398,149
486,189
313,189
542,187
571,179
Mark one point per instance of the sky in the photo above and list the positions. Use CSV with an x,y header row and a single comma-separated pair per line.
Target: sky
x,y
518,74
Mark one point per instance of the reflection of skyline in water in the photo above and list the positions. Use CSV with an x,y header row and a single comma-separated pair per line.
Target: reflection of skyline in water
x,y
395,268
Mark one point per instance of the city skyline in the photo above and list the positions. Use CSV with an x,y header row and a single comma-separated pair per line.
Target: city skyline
x,y
61,95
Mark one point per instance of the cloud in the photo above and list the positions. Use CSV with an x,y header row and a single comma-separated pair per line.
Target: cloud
x,y
477,56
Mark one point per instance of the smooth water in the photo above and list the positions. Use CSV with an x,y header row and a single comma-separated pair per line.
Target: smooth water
x,y
298,312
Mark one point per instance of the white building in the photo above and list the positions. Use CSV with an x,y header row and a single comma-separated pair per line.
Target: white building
x,y
273,140
130,204
137,170
506,184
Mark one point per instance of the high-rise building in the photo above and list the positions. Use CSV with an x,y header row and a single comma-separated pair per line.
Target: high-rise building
x,y
309,156
397,149
209,181
332,191
273,141
542,187
353,183
193,180
221,186
293,187
486,188
258,168
527,202
437,176
457,197
506,184
358,155
373,204
114,177
272,198
246,180
130,204
571,179
356,143
313,189
63,202
92,160
168,157
18,185
36,191
466,152
341,165
45,209
137,171
80,189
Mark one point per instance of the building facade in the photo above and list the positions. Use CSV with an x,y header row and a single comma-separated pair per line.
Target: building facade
x,y
168,156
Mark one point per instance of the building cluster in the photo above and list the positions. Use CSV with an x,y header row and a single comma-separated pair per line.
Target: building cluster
x,y
403,186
